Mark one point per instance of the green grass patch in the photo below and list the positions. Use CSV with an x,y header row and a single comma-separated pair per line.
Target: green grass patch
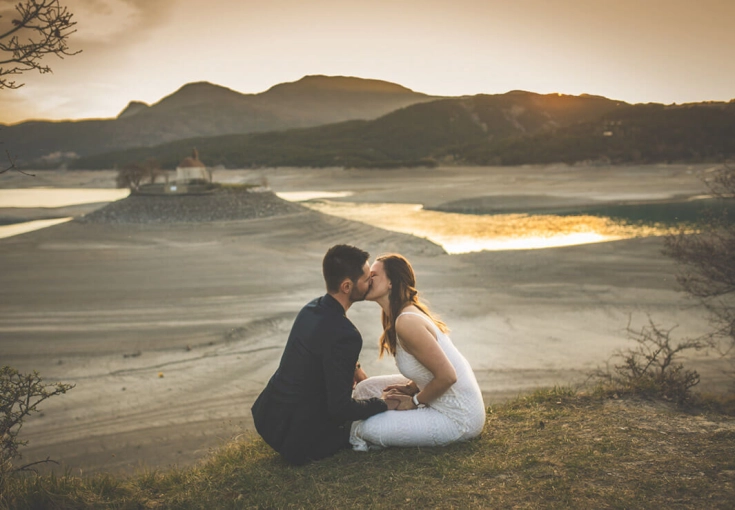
x,y
549,449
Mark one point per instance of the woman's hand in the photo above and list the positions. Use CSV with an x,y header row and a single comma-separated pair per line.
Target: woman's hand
x,y
410,388
397,401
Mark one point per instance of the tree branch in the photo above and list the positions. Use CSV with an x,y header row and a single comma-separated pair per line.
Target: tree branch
x,y
27,467
45,26
11,166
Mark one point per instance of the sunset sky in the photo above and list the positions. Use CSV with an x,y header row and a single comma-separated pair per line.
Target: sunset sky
x,y
635,50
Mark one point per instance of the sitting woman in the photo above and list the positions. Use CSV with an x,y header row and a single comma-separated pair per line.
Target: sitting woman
x,y
446,403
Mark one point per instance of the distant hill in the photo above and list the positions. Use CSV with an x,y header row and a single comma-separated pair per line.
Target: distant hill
x,y
314,122
443,130
641,133
203,109
507,129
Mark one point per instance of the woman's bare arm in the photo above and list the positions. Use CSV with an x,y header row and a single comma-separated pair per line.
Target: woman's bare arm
x,y
417,338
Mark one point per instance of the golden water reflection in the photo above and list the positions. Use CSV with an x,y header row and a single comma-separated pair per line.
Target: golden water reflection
x,y
464,233
300,196
58,197
29,226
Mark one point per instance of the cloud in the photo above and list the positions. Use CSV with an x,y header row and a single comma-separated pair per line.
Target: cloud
x,y
15,109
113,36
108,21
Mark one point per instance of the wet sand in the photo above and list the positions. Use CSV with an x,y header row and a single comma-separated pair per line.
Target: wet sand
x,y
170,331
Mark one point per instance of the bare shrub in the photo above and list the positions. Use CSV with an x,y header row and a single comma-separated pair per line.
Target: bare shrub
x,y
652,367
706,264
20,395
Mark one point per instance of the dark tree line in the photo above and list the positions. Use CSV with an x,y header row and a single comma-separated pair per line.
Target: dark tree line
x,y
133,175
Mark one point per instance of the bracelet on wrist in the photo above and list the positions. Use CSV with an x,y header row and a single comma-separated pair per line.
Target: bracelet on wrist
x,y
416,402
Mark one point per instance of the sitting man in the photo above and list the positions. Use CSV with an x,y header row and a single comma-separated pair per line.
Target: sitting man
x,y
306,410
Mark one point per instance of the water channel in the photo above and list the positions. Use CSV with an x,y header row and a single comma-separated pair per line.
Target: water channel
x,y
464,233
455,232
51,201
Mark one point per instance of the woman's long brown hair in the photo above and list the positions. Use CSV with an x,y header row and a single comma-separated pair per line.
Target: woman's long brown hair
x,y
403,293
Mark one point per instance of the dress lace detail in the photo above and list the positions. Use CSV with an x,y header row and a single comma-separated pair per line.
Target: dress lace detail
x,y
457,415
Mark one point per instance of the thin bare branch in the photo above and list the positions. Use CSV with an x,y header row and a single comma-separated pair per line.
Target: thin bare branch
x,y
42,27
706,263
652,366
20,396
11,166
28,467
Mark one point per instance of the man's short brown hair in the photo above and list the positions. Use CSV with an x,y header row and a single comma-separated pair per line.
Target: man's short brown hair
x,y
343,261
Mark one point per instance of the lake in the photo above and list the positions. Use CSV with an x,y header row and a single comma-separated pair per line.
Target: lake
x,y
455,232
58,197
51,199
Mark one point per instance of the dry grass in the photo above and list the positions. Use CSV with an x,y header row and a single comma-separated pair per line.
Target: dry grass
x,y
551,449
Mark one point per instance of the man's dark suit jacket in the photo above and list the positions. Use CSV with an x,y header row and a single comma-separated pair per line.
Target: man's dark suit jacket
x,y
306,410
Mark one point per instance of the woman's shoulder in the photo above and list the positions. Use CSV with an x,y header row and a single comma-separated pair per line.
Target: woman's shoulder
x,y
412,319
412,314
411,310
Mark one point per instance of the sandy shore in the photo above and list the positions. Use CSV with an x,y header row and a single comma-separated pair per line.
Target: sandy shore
x,y
171,331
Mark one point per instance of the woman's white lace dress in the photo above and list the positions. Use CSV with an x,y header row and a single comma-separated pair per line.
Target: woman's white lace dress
x,y
457,415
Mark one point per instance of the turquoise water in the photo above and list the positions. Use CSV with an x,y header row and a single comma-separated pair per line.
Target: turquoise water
x,y
667,213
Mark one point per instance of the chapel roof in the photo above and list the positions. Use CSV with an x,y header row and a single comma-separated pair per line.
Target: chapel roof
x,y
192,161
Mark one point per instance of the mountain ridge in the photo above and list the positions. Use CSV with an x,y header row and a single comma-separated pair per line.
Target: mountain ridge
x,y
505,129
132,108
438,130
346,121
206,109
341,83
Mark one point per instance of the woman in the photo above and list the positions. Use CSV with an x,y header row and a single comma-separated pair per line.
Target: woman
x,y
446,401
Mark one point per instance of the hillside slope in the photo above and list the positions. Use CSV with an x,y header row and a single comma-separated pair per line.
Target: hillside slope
x,y
642,133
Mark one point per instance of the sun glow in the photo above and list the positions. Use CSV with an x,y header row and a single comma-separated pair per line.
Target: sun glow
x,y
464,233
29,226
301,196
58,197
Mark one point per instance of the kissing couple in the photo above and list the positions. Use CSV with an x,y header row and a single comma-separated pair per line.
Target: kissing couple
x,y
320,401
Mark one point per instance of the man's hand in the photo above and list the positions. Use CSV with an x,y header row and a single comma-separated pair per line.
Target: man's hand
x,y
360,375
410,389
392,403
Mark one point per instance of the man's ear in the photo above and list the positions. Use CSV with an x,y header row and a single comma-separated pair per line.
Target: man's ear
x,y
346,286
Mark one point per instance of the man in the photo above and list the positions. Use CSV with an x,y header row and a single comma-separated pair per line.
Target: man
x,y
306,410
